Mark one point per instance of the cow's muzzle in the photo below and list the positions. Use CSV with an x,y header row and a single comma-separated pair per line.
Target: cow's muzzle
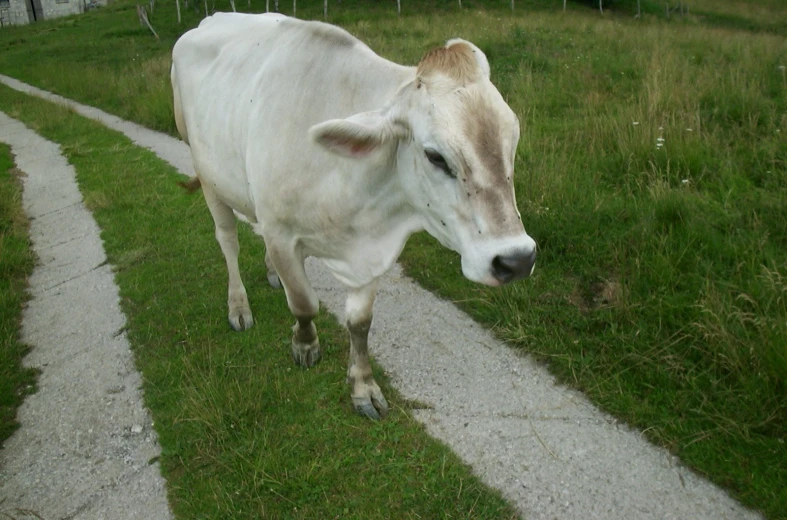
x,y
514,266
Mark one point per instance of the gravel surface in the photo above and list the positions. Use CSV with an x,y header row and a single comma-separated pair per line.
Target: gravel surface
x,y
86,448
549,450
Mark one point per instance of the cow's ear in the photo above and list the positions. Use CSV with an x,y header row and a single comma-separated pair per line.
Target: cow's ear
x,y
357,136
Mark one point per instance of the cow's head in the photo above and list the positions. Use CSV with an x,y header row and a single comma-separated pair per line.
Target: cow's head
x,y
454,140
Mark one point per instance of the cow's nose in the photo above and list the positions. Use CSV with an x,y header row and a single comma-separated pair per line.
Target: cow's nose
x,y
508,268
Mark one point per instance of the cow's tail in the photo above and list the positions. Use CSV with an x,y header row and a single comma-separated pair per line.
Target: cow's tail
x,y
191,185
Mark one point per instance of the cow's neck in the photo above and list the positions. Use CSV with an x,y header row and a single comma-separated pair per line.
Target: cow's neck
x,y
377,233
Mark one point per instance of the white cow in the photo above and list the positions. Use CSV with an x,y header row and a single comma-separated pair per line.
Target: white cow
x,y
332,151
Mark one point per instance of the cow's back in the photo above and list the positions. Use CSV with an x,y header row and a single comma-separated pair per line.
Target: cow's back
x,y
250,87
223,36
274,57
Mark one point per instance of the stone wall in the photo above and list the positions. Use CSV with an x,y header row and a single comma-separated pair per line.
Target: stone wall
x,y
57,8
15,12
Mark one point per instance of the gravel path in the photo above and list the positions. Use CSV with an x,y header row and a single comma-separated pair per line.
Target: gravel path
x,y
550,451
86,445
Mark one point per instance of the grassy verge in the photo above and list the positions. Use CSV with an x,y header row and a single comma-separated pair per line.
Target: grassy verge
x,y
652,171
244,432
16,264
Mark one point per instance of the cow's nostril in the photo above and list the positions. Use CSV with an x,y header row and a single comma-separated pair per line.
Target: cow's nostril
x,y
508,268
501,269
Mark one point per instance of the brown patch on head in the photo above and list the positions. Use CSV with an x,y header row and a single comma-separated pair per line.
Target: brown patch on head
x,y
483,129
489,186
493,201
457,62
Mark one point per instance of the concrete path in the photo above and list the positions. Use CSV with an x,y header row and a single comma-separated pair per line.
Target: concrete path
x,y
86,448
550,451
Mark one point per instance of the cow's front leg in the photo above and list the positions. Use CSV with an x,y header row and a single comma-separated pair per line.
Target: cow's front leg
x,y
366,395
302,301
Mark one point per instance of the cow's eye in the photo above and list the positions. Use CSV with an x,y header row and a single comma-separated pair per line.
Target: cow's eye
x,y
439,161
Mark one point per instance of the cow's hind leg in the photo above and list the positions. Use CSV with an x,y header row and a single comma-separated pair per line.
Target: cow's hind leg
x,y
273,277
366,394
227,236
287,266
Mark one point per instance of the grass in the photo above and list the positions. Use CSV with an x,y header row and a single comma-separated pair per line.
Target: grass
x,y
16,264
652,170
244,432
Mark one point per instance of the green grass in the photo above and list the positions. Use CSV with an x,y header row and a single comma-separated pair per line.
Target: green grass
x,y
16,264
244,432
661,286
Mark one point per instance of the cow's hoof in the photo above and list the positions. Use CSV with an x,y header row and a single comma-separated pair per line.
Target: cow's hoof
x,y
241,319
306,354
368,399
273,280
374,407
